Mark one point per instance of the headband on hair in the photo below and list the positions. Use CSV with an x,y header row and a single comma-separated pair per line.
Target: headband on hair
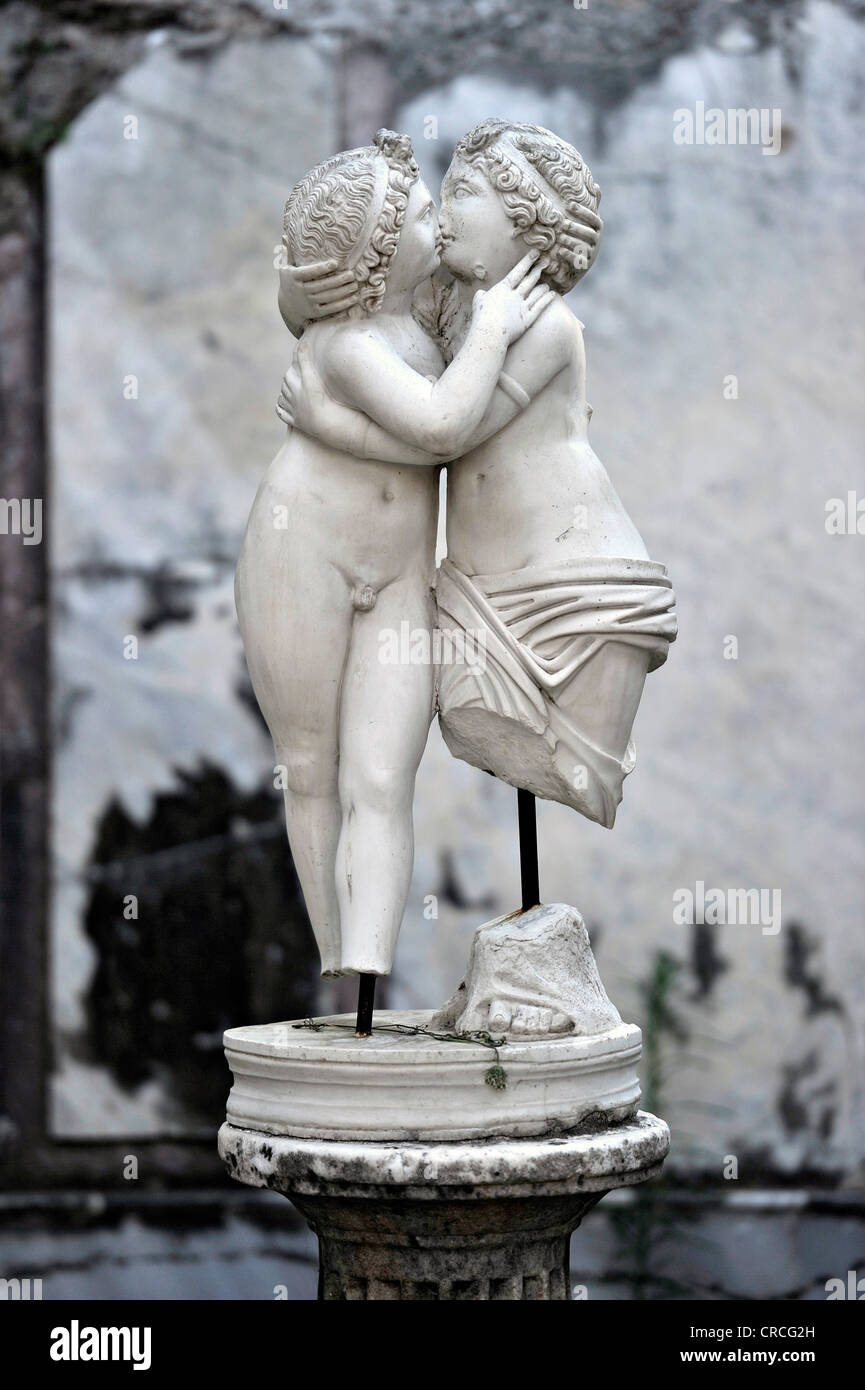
x,y
395,153
548,189
575,212
376,208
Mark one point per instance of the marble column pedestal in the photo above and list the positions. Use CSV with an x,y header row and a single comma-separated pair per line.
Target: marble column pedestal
x,y
483,1219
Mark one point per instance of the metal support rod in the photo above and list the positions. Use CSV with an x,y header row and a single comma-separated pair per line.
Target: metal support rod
x,y
528,823
365,1004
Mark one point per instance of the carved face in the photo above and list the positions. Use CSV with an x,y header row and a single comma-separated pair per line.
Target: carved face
x,y
475,227
417,254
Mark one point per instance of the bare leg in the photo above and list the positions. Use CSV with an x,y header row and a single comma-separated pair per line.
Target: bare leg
x,y
313,822
295,615
384,722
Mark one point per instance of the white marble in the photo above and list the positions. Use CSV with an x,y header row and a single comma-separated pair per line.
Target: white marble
x,y
531,973
331,1084
428,343
339,552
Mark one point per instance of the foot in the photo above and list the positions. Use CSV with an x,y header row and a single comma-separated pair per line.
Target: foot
x,y
525,1019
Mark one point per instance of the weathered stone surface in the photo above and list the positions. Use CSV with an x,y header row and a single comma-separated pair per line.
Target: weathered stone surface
x,y
513,1249
55,59
484,1221
531,973
554,1165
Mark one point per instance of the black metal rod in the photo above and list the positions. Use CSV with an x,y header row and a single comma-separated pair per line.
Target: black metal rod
x,y
365,1005
529,880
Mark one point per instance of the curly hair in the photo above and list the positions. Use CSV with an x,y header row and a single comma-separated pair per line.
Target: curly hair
x,y
569,238
328,210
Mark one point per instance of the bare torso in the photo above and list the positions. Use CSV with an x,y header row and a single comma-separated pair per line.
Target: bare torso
x,y
339,551
536,492
375,521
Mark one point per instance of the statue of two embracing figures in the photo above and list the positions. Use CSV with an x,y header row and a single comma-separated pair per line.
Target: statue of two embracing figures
x,y
432,339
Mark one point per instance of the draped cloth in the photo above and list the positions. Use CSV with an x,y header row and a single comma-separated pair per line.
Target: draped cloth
x,y
535,636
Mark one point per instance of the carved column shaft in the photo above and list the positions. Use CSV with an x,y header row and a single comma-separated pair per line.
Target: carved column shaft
x,y
483,1250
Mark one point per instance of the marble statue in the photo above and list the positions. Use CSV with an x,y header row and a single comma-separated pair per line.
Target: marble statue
x,y
428,343
545,570
340,541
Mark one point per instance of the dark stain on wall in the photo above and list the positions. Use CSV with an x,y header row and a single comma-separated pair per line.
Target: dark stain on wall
x,y
706,962
169,601
221,936
800,972
802,1106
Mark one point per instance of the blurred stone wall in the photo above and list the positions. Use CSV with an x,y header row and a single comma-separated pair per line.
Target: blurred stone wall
x,y
167,356
723,330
